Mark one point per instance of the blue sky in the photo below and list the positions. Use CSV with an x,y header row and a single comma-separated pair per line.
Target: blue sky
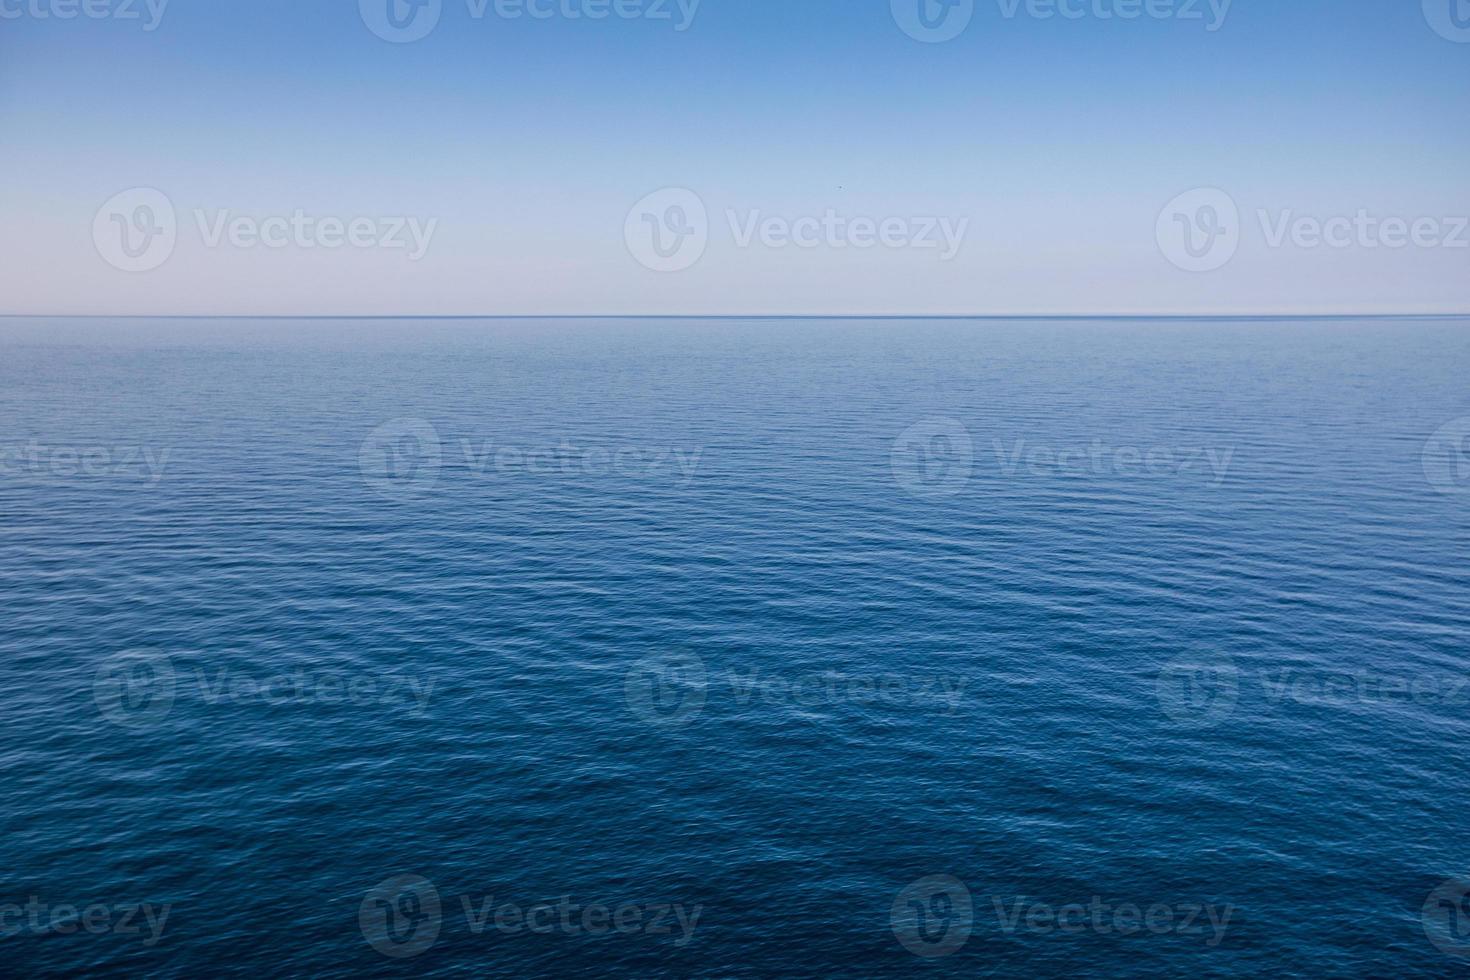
x,y
518,148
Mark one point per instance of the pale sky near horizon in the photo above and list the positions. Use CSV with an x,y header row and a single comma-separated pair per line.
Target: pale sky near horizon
x,y
459,157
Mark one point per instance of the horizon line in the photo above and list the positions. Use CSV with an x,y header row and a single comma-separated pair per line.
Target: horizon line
x,y
737,316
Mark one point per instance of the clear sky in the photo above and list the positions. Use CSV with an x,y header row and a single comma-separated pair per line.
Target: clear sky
x,y
1031,163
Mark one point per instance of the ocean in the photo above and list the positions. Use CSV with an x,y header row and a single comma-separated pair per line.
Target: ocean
x,y
735,648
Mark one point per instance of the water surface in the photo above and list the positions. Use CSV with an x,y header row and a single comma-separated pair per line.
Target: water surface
x,y
771,620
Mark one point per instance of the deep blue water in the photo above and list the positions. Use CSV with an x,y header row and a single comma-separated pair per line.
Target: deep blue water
x,y
790,646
